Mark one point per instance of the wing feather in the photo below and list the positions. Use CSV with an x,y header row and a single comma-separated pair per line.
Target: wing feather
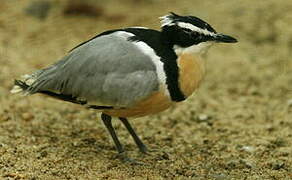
x,y
106,71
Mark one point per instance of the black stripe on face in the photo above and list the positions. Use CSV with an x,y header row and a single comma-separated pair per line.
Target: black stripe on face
x,y
100,107
184,37
164,50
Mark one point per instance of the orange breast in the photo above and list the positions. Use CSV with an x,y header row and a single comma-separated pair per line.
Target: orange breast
x,y
191,72
156,103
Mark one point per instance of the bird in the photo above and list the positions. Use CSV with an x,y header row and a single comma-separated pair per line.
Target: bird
x,y
130,72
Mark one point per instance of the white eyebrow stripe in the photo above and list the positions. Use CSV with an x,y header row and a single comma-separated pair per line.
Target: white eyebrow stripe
x,y
195,28
166,20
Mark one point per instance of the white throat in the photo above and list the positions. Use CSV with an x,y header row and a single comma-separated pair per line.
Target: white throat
x,y
197,49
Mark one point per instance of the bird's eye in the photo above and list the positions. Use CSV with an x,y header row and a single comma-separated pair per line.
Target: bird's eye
x,y
189,32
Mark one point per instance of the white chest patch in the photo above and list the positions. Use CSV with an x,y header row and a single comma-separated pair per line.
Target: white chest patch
x,y
195,49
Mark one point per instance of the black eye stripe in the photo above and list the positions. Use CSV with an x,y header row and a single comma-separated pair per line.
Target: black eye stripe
x,y
196,36
193,32
187,30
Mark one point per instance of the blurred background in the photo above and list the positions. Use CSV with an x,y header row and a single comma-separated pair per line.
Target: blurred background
x,y
237,125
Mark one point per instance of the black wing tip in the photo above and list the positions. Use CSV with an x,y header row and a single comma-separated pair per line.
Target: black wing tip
x,y
21,84
100,107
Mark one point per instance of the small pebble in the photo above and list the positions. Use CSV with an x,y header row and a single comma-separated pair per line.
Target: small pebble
x,y
4,117
27,116
38,9
203,117
247,164
75,143
248,148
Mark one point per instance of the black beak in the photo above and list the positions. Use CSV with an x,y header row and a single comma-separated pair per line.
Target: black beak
x,y
224,38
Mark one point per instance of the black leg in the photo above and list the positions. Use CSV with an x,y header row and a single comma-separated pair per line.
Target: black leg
x,y
137,140
107,120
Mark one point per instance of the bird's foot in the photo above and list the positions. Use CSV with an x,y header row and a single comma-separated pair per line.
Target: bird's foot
x,y
126,159
147,151
143,149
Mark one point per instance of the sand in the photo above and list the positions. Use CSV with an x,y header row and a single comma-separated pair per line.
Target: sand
x,y
238,125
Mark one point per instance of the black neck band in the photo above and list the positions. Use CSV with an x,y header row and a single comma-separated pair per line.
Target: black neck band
x,y
164,50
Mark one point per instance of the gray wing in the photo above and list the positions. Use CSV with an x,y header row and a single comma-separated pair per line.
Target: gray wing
x,y
106,71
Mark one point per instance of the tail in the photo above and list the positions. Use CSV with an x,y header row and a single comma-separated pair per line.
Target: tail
x,y
22,86
29,85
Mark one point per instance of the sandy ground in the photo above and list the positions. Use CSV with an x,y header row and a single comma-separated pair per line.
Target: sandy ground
x,y
238,125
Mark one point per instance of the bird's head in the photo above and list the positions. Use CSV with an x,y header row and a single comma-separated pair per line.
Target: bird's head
x,y
189,33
